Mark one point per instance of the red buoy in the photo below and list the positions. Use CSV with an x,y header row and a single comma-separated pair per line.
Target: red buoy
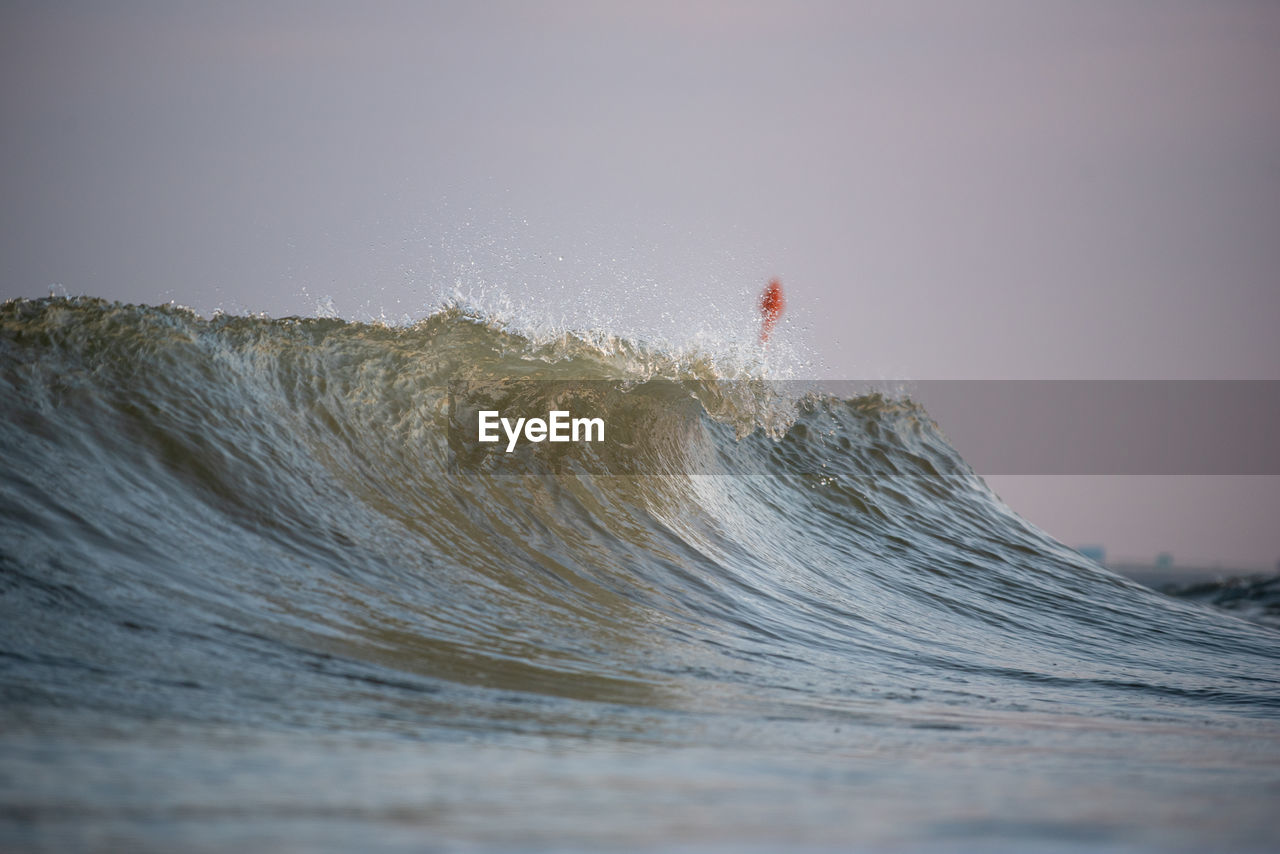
x,y
771,306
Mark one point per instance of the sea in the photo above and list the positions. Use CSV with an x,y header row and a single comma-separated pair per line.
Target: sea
x,y
258,593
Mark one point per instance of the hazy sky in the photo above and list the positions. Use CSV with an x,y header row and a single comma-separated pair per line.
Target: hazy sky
x,y
974,189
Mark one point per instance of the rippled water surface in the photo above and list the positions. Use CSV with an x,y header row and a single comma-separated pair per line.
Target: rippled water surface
x,y
255,594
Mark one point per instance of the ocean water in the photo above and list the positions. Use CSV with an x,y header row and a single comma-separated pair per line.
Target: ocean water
x,y
254,595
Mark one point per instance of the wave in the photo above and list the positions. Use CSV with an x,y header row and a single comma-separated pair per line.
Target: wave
x,y
265,519
1251,597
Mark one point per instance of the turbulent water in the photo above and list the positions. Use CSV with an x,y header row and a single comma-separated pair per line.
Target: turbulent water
x,y
251,599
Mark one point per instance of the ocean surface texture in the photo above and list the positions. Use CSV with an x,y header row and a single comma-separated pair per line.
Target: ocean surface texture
x,y
253,597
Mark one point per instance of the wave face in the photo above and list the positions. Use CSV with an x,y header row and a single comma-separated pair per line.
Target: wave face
x,y
258,525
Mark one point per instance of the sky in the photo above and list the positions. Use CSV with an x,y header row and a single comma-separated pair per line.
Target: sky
x,y
987,189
